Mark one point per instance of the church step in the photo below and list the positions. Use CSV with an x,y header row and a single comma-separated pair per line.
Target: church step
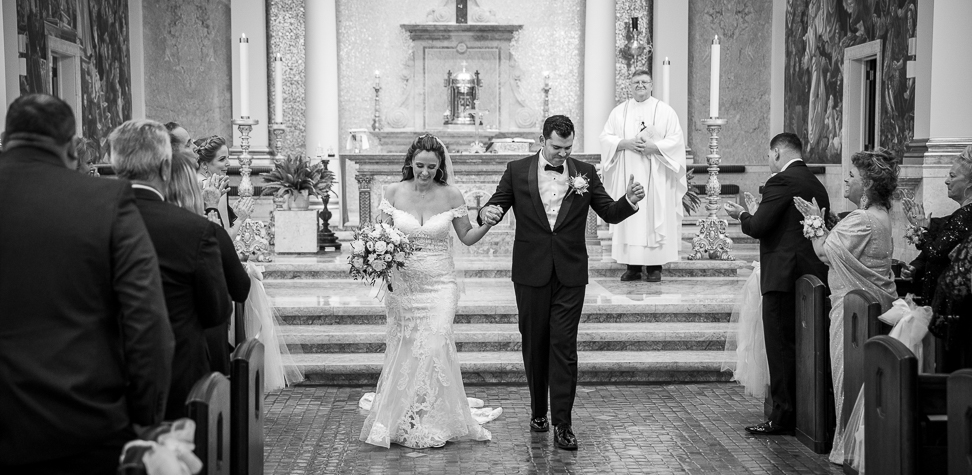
x,y
495,267
506,337
344,369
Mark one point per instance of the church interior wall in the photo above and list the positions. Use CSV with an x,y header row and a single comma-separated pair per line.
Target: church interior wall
x,y
187,47
370,38
817,34
99,32
285,36
745,30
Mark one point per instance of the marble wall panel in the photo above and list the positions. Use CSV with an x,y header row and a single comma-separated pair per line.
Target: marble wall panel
x,y
817,33
188,64
285,36
625,10
99,29
744,29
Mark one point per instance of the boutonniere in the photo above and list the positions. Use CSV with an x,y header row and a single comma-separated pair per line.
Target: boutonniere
x,y
578,183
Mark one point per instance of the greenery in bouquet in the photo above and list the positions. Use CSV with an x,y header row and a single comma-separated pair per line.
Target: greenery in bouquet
x,y
376,251
292,175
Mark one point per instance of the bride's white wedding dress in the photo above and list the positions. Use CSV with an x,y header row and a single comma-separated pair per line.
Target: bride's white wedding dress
x,y
420,401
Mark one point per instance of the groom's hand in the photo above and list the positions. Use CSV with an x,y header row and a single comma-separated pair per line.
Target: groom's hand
x,y
491,214
635,192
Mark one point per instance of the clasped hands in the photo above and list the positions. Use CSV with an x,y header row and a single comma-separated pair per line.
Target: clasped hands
x,y
638,145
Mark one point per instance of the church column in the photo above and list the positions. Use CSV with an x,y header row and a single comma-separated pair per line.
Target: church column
x,y
943,64
137,58
11,60
321,90
250,17
671,39
600,52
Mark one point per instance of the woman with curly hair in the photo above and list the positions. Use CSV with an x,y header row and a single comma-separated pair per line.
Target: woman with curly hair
x,y
858,251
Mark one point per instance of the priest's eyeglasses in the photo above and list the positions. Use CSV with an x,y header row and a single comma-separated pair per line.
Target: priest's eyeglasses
x,y
641,83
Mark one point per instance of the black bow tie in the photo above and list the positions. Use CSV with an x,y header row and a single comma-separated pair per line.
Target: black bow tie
x,y
551,168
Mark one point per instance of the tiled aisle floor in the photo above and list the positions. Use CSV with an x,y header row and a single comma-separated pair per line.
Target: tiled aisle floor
x,y
687,428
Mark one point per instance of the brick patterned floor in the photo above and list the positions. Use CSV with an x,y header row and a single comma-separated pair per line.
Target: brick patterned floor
x,y
678,428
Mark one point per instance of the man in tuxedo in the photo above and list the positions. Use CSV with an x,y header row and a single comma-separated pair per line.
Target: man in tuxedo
x,y
85,342
784,256
189,257
550,194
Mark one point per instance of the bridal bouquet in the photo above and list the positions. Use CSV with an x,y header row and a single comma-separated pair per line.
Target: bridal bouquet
x,y
376,250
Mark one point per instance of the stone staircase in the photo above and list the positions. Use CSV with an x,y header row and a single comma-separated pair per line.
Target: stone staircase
x,y
631,332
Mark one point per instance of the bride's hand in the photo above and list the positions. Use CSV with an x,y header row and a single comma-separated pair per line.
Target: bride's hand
x,y
807,209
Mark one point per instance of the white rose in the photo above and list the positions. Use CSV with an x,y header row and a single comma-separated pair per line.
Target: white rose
x,y
375,232
400,257
371,246
580,182
391,248
395,237
387,258
358,262
380,247
819,232
378,265
358,247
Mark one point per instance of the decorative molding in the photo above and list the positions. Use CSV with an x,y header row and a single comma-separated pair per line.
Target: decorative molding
x,y
935,151
852,109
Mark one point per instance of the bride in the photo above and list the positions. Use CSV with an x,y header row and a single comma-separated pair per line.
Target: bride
x,y
420,401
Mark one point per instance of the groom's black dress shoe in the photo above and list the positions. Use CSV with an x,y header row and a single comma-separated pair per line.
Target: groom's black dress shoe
x,y
539,424
564,437
769,428
630,275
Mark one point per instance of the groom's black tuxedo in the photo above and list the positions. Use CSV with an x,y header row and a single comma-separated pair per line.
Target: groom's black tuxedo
x,y
784,256
550,276
538,251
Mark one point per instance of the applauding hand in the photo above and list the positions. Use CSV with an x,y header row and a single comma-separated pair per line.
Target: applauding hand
x,y
751,203
635,192
244,208
915,211
807,209
210,194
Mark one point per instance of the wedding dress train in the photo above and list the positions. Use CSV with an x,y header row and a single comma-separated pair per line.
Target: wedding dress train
x,y
420,400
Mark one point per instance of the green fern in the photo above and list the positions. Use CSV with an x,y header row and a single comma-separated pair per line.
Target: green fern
x,y
294,174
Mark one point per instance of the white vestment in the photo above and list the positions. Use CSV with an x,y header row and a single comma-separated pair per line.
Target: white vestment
x,y
653,235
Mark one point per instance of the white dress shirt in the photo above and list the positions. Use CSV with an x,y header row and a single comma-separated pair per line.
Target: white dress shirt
x,y
788,164
146,187
553,188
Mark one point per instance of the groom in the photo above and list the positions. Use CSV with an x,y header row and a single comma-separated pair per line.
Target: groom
x,y
550,195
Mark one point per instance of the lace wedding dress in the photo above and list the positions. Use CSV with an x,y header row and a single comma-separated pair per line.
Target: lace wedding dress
x,y
420,401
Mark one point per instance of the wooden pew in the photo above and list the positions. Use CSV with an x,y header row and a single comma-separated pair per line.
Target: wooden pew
x,y
903,428
209,407
814,388
861,312
960,422
246,407
239,323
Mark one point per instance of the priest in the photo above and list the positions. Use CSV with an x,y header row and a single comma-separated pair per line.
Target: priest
x,y
642,137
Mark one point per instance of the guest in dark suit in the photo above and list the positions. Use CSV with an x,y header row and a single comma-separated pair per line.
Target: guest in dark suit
x,y
188,251
183,191
550,263
85,342
784,256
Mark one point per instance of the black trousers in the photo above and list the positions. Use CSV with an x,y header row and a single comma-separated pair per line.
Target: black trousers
x,y
779,332
548,317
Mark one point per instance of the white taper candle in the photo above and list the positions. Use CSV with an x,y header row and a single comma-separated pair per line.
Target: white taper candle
x,y
714,79
244,76
666,83
278,89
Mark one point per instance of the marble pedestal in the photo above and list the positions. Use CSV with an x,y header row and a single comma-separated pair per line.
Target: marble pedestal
x,y
296,231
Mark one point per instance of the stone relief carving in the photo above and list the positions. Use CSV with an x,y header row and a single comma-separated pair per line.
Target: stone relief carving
x,y
525,117
398,116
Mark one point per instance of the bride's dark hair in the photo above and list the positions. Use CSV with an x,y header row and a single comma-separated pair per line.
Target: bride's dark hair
x,y
426,143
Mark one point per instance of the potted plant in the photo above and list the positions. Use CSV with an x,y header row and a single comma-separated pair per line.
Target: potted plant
x,y
297,179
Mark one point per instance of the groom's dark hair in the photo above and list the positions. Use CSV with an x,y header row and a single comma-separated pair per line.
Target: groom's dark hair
x,y
559,123
787,140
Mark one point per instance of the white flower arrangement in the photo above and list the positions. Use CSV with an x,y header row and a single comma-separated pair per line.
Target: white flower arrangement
x,y
813,227
578,183
915,235
376,251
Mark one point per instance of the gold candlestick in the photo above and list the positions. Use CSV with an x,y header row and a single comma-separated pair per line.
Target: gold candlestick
x,y
712,241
